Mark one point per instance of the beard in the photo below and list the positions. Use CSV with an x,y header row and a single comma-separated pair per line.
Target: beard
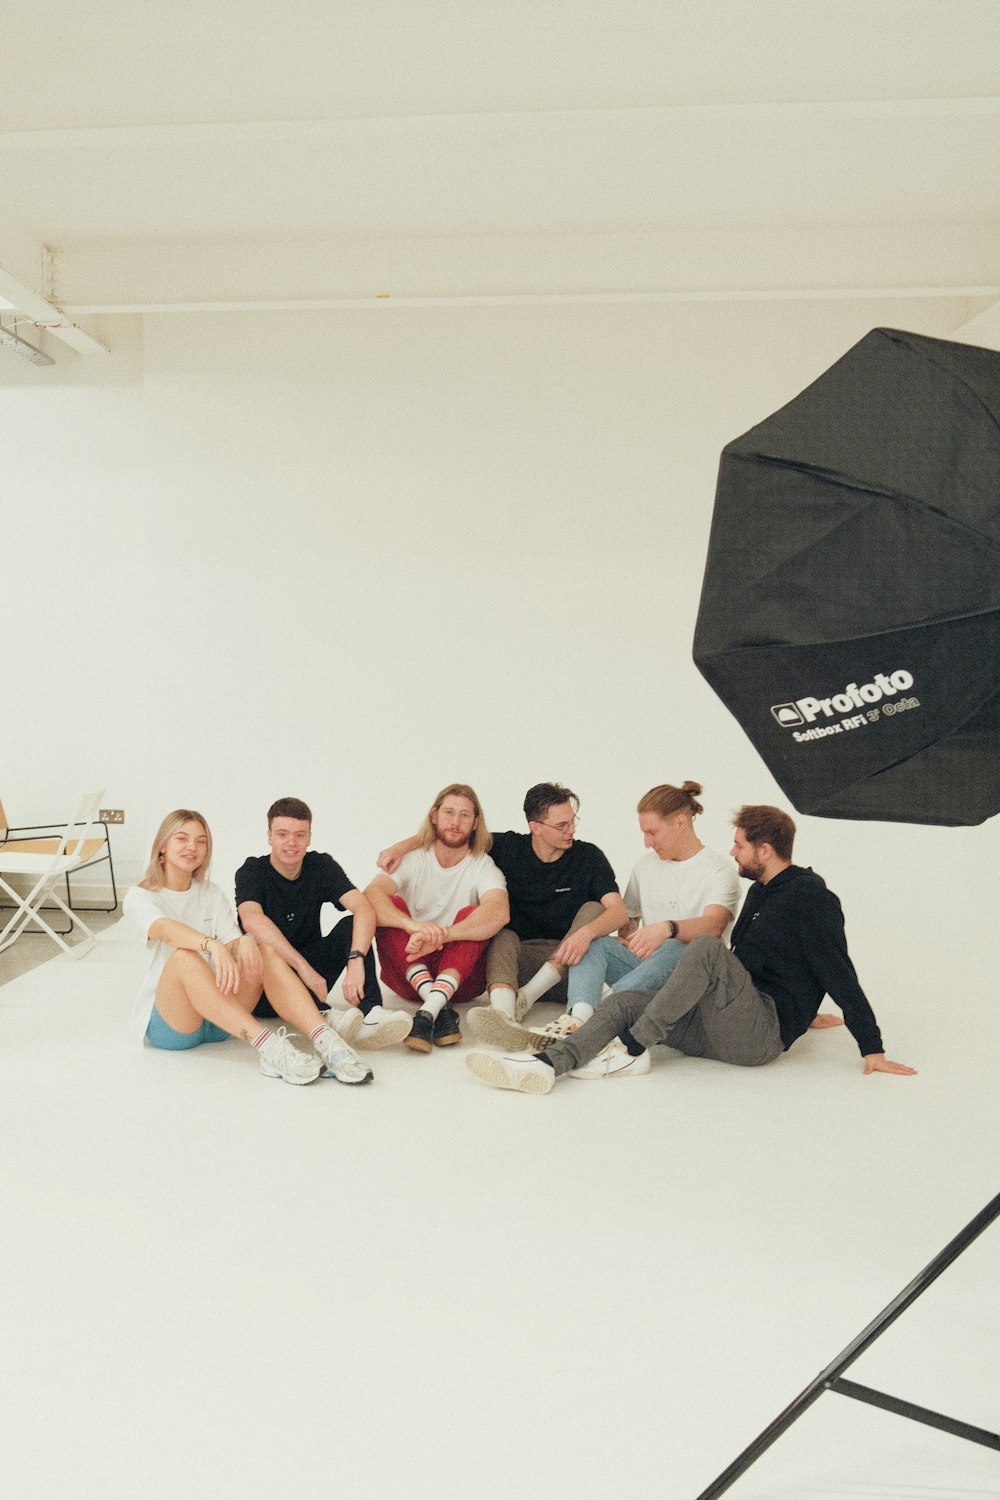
x,y
750,872
453,840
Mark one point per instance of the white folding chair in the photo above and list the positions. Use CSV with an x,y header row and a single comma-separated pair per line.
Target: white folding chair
x,y
43,838
48,869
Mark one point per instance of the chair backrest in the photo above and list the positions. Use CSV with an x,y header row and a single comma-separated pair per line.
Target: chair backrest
x,y
81,825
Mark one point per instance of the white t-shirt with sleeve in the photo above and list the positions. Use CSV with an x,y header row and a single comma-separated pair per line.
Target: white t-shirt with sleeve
x,y
435,894
202,906
664,890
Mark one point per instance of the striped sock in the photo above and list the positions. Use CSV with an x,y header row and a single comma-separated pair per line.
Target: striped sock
x,y
318,1032
259,1041
438,996
421,978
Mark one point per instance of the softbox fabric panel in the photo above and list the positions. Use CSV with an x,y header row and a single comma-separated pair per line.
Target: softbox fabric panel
x,y
850,609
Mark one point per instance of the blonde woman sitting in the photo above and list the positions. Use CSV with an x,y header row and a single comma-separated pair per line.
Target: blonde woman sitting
x,y
203,977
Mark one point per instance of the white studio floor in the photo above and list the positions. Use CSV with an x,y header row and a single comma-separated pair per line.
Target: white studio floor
x,y
217,1285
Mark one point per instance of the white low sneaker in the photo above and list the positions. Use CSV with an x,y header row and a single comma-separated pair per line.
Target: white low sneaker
x,y
280,1059
342,1062
346,1023
525,1074
616,1061
380,1028
488,1024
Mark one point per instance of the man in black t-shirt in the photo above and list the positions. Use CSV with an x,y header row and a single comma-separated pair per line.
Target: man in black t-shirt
x,y
563,895
279,898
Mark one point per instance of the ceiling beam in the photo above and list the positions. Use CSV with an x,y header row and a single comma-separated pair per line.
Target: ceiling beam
x,y
754,263
236,131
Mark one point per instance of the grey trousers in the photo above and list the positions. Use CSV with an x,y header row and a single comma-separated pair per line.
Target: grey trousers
x,y
707,1008
511,961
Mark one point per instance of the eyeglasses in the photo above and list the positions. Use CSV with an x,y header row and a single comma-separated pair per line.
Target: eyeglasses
x,y
562,827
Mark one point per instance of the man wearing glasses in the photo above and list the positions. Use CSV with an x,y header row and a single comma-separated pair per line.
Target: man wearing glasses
x,y
563,895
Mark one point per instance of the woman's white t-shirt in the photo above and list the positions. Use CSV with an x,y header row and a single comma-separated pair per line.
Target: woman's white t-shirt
x,y
202,906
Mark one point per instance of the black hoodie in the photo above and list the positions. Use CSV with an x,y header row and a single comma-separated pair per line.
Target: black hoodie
x,y
790,938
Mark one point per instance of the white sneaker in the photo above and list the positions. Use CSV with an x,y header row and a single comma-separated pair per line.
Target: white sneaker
x,y
525,1074
495,1027
556,1031
616,1061
380,1028
280,1059
342,1062
346,1023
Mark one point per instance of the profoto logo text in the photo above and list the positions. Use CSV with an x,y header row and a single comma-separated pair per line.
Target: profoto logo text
x,y
808,710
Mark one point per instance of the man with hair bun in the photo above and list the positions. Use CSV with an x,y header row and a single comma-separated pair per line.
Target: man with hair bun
x,y
678,891
745,1004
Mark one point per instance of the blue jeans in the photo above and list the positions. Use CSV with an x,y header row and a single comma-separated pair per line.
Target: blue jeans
x,y
607,961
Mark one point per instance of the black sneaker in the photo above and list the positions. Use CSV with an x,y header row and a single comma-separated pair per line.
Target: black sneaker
x,y
421,1034
446,1030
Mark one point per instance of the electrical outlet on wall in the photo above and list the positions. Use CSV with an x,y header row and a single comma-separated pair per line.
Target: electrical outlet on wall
x,y
111,815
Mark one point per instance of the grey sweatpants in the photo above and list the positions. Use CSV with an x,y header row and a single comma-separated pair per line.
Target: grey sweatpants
x,y
513,961
707,1008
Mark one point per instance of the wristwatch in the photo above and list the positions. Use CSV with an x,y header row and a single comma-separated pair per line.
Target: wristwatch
x,y
354,954
673,928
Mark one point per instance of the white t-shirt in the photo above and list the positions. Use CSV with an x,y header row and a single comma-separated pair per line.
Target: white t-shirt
x,y
435,894
664,890
202,906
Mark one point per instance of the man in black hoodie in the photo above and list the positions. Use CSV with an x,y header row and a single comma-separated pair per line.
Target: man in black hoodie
x,y
745,1004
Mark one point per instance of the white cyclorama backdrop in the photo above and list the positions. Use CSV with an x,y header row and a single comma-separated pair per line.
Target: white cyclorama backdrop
x,y
352,556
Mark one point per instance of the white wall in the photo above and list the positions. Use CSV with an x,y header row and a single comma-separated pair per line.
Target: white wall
x,y
352,556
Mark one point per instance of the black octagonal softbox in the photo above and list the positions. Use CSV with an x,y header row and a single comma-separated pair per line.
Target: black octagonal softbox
x,y
850,610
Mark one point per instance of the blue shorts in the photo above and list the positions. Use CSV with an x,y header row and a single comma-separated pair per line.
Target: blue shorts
x,y
161,1035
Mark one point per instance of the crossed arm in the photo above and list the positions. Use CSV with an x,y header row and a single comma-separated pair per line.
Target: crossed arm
x,y
233,962
260,926
644,941
573,947
492,913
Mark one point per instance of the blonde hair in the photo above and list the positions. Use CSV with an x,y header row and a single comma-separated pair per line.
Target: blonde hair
x,y
666,801
482,839
152,879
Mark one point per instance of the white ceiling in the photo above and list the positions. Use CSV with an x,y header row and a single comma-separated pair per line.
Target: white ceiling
x,y
191,155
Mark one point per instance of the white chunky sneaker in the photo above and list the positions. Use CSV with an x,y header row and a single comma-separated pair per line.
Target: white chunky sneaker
x,y
346,1023
616,1061
496,1028
381,1028
280,1059
556,1031
525,1074
342,1062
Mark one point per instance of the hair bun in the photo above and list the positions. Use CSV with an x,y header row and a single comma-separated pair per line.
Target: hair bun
x,y
692,788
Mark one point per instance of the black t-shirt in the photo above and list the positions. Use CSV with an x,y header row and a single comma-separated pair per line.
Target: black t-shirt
x,y
294,905
544,898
